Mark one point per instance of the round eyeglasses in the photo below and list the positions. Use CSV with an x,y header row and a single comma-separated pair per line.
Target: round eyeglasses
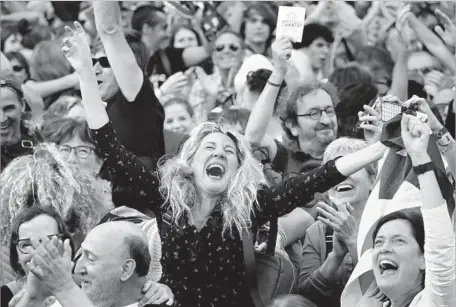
x,y
82,152
24,245
316,113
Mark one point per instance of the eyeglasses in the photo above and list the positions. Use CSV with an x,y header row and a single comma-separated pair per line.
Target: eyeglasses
x,y
82,152
316,114
24,245
220,48
104,62
18,68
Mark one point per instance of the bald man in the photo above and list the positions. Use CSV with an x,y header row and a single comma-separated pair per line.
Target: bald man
x,y
114,265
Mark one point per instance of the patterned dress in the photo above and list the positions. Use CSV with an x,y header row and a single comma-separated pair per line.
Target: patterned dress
x,y
206,267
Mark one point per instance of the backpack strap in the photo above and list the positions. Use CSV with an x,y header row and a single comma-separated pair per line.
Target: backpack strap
x,y
167,220
250,267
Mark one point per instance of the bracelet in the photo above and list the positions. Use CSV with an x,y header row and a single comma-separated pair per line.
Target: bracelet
x,y
274,84
424,168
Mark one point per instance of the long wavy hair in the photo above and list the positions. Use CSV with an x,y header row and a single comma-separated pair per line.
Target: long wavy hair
x,y
44,178
178,186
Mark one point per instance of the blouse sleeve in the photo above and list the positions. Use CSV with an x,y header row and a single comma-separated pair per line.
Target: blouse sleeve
x,y
440,258
297,191
127,169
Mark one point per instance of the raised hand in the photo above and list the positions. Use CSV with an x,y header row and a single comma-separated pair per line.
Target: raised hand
x,y
424,107
341,221
281,52
52,268
371,124
76,48
415,135
448,33
174,83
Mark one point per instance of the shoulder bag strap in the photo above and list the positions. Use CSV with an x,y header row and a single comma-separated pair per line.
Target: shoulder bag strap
x,y
250,267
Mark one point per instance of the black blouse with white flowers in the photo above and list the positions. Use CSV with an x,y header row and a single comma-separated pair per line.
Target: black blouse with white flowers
x,y
206,268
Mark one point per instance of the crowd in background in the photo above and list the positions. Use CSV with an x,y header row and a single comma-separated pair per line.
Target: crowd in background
x,y
140,139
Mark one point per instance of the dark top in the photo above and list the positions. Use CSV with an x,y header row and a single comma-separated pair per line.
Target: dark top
x,y
291,164
23,147
5,296
165,63
139,124
206,267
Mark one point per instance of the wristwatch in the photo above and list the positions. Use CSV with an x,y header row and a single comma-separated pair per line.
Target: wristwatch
x,y
443,137
424,168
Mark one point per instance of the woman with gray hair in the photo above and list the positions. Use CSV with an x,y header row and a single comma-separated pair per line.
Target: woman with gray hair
x,y
329,251
205,197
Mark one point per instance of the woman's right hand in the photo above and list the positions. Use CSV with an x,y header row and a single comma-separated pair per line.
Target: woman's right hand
x,y
415,135
424,107
281,52
339,247
76,48
174,84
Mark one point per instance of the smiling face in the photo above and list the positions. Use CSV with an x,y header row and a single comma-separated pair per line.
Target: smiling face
x,y
13,43
178,119
107,82
354,190
39,226
397,260
185,38
227,51
87,160
10,117
214,163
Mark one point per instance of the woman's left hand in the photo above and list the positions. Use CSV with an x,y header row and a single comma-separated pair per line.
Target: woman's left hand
x,y
156,293
341,221
415,135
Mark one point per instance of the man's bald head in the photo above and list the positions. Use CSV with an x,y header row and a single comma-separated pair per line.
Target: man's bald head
x,y
124,240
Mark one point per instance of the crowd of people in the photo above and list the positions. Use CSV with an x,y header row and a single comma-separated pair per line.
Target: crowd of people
x,y
166,153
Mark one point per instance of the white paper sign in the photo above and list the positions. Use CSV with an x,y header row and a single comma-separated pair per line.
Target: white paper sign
x,y
290,22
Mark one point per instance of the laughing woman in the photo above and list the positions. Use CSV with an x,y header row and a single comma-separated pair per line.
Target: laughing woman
x,y
213,188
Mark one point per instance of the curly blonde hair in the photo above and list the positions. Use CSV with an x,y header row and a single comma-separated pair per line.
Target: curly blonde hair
x,y
177,183
46,179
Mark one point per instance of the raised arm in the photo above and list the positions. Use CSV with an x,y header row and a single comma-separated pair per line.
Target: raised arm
x,y
262,111
48,88
128,74
128,170
298,191
439,247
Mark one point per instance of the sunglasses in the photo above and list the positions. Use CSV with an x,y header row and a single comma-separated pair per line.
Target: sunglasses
x,y
233,47
18,68
104,62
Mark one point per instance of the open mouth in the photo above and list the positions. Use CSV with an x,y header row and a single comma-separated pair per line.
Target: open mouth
x,y
344,187
99,82
387,266
5,125
215,170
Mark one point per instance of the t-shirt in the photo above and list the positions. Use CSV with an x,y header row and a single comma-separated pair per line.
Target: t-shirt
x,y
165,63
139,124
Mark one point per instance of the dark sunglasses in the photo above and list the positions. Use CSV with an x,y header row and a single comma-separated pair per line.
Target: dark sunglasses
x,y
233,47
104,62
18,68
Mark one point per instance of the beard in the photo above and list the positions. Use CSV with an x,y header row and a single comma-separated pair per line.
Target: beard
x,y
315,142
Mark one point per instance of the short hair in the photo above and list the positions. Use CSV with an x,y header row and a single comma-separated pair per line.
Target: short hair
x,y
415,220
21,59
348,74
133,38
181,27
32,36
145,15
374,54
63,129
344,146
287,107
265,11
312,32
49,62
139,252
176,100
233,116
28,214
15,88
61,107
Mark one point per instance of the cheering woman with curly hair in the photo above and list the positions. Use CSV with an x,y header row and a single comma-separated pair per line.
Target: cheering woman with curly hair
x,y
214,189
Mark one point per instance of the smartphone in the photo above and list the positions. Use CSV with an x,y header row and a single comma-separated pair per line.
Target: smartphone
x,y
389,109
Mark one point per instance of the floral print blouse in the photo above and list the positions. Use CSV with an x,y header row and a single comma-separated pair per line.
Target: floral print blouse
x,y
206,267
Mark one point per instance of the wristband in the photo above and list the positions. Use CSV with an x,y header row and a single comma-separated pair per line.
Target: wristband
x,y
274,84
424,168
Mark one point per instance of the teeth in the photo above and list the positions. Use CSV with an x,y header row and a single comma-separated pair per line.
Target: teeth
x,y
344,187
386,264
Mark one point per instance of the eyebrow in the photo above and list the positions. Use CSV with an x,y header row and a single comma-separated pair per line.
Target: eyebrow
x,y
392,237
